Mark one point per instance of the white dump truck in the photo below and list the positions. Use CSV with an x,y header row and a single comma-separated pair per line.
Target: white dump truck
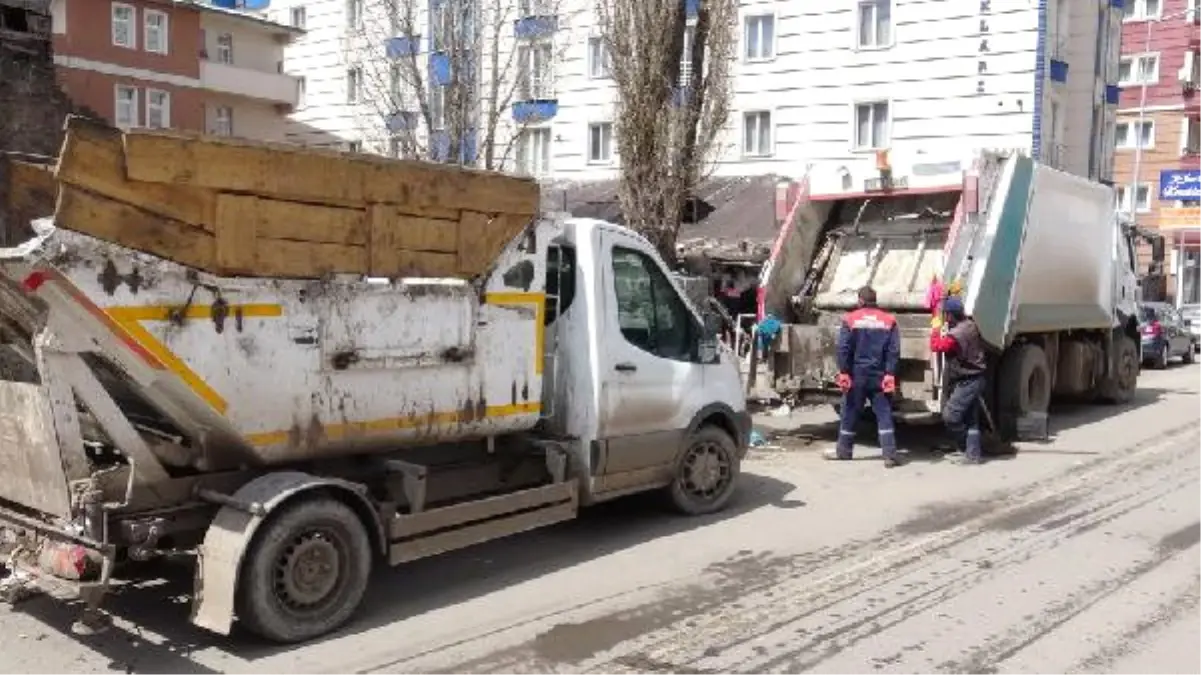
x,y
291,434
1041,260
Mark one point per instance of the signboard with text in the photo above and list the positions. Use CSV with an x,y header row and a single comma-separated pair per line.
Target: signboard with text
x,y
1180,184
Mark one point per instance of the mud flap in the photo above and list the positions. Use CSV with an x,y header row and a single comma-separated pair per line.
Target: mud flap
x,y
219,562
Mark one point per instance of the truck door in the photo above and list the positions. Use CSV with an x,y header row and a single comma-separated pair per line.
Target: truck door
x,y
649,369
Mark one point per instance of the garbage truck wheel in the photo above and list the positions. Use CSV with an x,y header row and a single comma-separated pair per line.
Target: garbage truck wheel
x,y
1119,387
706,472
1023,386
306,571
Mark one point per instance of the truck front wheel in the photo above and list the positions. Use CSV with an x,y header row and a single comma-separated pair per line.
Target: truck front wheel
x,y
306,571
706,473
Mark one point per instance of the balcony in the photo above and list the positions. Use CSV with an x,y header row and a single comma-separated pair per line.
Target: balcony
x,y
262,86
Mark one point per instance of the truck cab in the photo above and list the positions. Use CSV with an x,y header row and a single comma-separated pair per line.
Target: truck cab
x,y
636,373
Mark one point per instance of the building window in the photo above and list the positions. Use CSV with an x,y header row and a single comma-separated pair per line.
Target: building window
x,y
225,48
872,122
301,90
533,152
600,143
125,110
155,39
1138,69
759,34
298,16
535,68
1143,204
438,107
756,134
1190,136
598,59
123,21
1127,139
158,109
875,23
222,123
686,55
354,13
528,8
354,85
1141,10
354,146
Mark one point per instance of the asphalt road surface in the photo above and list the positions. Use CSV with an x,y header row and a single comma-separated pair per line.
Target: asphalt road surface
x,y
1077,555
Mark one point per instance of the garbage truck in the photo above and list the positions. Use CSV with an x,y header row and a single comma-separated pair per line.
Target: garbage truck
x,y
294,425
1038,256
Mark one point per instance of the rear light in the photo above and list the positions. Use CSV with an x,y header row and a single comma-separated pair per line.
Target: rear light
x,y
34,281
1153,329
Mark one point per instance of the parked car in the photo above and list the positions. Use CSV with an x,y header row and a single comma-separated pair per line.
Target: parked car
x,y
1164,335
1192,319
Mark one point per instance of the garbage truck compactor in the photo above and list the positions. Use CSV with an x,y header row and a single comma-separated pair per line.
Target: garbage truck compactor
x,y
1037,255
291,433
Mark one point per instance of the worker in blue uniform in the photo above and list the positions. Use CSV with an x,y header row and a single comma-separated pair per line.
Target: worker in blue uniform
x,y
869,349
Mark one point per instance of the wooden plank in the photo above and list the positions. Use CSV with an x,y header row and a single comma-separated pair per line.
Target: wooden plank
x,y
236,226
31,193
414,233
115,221
381,247
91,158
309,222
483,236
308,260
320,177
426,264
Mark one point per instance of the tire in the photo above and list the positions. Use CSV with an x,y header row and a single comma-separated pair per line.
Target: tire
x,y
1190,355
706,473
312,532
1023,387
1163,357
1121,386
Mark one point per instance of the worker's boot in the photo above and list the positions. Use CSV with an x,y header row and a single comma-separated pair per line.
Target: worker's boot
x,y
888,447
973,452
845,448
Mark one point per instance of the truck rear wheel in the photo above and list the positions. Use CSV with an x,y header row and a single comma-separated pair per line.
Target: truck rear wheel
x,y
1023,386
706,473
1119,388
306,572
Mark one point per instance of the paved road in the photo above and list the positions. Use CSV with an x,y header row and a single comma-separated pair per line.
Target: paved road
x,y
1078,555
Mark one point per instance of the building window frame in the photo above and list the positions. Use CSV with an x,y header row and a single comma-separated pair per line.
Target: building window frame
x,y
1143,205
599,62
1135,77
298,16
223,121
130,24
600,143
758,133
162,107
130,102
354,14
225,48
536,71
1132,142
763,27
354,85
873,143
161,32
534,161
1140,11
874,7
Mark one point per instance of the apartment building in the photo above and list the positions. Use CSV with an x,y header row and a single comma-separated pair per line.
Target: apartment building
x,y
182,64
1159,134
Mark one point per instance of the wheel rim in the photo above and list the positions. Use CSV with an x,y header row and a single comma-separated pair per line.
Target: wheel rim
x,y
707,471
308,572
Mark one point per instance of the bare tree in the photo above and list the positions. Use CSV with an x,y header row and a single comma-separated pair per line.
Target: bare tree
x,y
673,102
438,80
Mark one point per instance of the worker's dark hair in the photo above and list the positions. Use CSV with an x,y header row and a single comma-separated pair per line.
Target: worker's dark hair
x,y
867,296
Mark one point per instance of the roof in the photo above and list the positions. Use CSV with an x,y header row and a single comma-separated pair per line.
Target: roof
x,y
729,209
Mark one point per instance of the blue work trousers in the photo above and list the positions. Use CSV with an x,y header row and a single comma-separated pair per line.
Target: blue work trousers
x,y
862,391
961,413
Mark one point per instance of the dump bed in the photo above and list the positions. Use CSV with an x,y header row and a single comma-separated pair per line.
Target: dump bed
x,y
1044,258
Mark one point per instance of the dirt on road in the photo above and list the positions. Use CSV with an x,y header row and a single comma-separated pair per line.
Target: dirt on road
x,y
1076,555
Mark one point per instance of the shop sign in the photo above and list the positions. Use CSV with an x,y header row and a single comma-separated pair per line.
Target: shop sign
x,y
1179,184
1188,217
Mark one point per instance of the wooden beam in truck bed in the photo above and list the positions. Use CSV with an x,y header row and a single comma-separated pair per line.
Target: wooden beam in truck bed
x,y
270,210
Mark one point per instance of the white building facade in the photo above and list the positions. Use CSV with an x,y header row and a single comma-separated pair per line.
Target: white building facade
x,y
815,83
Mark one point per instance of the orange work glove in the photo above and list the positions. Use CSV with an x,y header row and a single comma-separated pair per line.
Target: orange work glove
x,y
844,382
889,384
